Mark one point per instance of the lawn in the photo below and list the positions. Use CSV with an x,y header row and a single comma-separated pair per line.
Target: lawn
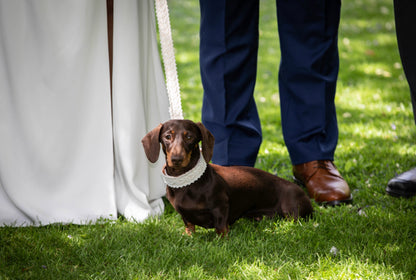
x,y
374,238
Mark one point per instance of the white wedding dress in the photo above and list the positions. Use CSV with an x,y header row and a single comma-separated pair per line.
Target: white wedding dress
x,y
70,151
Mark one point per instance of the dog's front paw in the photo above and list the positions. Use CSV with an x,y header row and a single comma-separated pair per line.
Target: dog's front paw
x,y
190,229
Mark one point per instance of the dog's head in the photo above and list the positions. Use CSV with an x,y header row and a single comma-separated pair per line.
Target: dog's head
x,y
180,141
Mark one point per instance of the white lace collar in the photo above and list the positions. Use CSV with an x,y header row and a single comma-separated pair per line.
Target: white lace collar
x,y
187,178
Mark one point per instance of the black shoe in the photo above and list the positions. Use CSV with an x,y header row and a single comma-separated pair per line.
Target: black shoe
x,y
403,185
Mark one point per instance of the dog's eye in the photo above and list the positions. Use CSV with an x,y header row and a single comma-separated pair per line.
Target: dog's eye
x,y
168,137
188,137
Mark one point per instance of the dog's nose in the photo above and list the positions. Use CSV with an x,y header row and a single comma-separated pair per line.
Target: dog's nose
x,y
176,160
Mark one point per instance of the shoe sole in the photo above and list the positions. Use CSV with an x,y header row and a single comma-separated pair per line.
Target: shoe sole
x,y
337,202
399,194
326,203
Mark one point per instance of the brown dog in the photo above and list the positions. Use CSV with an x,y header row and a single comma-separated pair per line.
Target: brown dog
x,y
214,196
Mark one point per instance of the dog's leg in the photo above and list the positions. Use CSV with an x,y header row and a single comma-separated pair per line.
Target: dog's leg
x,y
223,232
221,220
189,228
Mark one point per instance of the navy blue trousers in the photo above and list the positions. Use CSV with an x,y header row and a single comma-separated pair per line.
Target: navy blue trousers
x,y
308,32
404,13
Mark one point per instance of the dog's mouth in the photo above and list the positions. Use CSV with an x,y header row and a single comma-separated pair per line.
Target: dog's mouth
x,y
175,165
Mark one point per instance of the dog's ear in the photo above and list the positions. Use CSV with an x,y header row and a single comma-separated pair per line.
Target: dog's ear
x,y
151,144
208,141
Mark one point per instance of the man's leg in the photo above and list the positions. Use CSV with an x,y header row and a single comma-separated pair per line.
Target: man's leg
x,y
308,31
404,12
307,78
228,61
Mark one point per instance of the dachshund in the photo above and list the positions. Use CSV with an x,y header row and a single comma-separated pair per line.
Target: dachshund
x,y
214,196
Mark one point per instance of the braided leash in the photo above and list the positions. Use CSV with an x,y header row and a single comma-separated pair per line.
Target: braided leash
x,y
168,56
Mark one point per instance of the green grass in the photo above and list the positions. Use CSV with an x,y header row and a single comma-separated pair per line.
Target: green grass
x,y
375,237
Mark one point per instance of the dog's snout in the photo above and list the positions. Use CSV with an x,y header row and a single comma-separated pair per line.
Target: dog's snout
x,y
176,160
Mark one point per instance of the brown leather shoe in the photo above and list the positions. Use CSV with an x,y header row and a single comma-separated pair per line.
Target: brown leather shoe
x,y
323,182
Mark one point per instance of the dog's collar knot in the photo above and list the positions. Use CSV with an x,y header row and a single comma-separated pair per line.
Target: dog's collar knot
x,y
187,178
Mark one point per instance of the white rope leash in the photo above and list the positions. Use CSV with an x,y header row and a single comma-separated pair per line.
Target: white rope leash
x,y
168,55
